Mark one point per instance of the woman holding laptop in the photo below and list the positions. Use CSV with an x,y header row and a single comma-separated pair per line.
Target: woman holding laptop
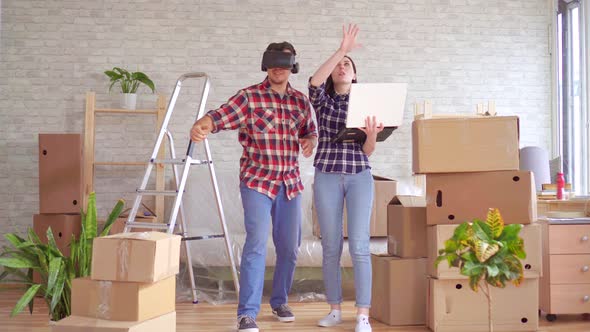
x,y
342,174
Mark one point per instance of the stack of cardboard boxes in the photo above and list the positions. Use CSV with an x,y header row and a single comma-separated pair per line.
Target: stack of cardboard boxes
x,y
132,285
60,189
471,164
399,277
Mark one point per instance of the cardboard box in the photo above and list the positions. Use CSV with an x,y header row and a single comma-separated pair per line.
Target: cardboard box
x,y
454,307
437,235
64,226
136,257
458,197
385,189
399,290
476,144
123,301
406,226
60,173
163,323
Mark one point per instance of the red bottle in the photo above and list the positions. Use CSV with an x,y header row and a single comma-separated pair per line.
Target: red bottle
x,y
560,186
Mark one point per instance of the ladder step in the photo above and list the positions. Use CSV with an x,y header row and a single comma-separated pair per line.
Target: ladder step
x,y
176,161
203,237
180,161
201,162
157,192
152,225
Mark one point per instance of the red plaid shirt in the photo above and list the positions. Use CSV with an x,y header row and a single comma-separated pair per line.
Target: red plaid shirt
x,y
269,130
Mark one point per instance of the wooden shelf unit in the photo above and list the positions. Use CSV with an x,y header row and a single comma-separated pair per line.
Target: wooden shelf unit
x,y
89,146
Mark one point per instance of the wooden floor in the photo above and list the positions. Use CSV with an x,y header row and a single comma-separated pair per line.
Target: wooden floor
x,y
205,317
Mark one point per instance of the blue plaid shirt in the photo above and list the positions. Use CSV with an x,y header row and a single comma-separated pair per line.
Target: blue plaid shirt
x,y
347,158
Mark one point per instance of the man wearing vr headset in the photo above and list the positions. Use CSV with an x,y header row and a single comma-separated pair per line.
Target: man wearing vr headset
x,y
274,122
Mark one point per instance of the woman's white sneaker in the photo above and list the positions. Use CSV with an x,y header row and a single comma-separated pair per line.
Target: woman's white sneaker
x,y
362,324
332,319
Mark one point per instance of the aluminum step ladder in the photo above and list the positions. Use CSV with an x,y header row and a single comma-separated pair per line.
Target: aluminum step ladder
x,y
180,183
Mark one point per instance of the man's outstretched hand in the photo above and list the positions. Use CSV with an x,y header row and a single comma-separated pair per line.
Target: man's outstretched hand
x,y
201,129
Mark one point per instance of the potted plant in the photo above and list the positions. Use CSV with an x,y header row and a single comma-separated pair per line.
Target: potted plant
x,y
129,83
488,253
55,269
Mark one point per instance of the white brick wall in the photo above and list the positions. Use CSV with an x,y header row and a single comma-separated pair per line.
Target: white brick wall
x,y
455,53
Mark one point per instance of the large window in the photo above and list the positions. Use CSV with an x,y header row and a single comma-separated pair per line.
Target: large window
x,y
572,117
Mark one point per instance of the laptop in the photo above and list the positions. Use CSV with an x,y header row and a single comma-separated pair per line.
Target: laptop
x,y
385,101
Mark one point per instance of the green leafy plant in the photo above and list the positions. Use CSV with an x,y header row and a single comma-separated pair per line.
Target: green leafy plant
x,y
56,271
129,81
489,253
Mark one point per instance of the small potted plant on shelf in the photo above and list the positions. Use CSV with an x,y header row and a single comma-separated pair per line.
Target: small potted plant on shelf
x,y
489,253
129,83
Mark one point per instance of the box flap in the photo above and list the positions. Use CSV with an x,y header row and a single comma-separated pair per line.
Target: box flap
x,y
381,178
408,201
142,236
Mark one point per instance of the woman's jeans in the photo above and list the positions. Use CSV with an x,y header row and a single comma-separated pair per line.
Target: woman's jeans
x,y
331,190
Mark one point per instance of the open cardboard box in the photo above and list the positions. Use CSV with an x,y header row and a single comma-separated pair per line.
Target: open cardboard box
x,y
406,226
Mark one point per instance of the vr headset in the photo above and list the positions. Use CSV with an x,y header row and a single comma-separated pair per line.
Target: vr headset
x,y
279,59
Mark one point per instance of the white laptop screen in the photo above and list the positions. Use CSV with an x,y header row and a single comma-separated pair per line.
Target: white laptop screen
x,y
386,101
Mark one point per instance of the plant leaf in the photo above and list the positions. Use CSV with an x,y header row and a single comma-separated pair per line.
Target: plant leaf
x,y
17,263
493,270
57,290
143,78
113,217
439,259
461,232
25,299
14,239
510,232
51,242
517,248
33,237
451,246
54,268
91,215
495,222
484,250
482,231
474,282
32,303
472,269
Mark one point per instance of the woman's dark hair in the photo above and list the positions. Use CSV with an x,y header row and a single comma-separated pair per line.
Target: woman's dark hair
x,y
330,83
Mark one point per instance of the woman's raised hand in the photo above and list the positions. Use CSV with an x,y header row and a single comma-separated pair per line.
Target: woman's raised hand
x,y
349,38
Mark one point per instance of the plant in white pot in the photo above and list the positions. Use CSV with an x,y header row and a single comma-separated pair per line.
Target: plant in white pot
x,y
129,83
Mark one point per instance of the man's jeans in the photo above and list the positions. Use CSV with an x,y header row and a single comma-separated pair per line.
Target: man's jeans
x,y
259,211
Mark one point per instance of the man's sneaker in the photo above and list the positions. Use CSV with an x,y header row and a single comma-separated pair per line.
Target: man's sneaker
x,y
247,324
332,319
362,324
283,313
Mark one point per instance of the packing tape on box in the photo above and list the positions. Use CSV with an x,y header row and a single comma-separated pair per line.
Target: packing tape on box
x,y
124,252
103,310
